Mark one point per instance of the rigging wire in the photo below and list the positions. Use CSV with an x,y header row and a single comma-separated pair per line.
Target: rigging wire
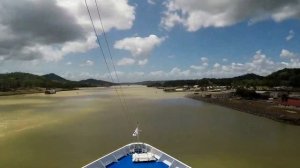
x,y
110,55
105,60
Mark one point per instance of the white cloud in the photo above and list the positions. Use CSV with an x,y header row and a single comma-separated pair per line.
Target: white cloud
x,y
152,2
120,74
116,14
157,73
201,67
171,56
224,59
259,64
143,62
139,47
67,28
126,61
79,46
137,73
290,36
195,67
87,63
170,19
205,64
174,73
69,63
195,14
217,65
204,59
287,54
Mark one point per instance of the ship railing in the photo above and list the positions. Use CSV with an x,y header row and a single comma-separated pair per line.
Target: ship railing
x,y
132,148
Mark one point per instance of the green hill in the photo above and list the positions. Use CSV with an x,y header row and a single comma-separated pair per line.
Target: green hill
x,y
54,77
284,77
94,82
19,80
12,81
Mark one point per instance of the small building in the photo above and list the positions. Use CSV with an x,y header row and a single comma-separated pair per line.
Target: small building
x,y
275,94
265,94
291,101
180,89
50,91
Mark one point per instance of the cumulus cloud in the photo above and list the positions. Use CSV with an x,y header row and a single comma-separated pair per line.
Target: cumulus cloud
x,y
152,2
143,62
290,36
293,60
197,67
87,63
201,67
195,14
139,47
37,29
126,61
174,73
217,65
287,54
204,59
259,64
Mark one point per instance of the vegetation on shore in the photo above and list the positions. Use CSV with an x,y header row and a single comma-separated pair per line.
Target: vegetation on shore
x,y
13,82
261,108
25,82
284,77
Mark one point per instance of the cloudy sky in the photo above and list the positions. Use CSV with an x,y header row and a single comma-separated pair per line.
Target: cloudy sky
x,y
150,39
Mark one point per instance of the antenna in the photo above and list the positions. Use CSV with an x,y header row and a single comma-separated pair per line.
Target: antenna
x,y
136,132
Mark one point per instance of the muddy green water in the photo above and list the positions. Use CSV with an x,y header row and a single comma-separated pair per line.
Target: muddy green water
x,y
72,128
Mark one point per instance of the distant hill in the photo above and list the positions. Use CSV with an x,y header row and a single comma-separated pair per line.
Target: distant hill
x,y
251,76
20,80
16,80
54,77
284,77
94,82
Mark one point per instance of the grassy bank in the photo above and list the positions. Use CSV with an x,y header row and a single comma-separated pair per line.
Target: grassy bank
x,y
261,108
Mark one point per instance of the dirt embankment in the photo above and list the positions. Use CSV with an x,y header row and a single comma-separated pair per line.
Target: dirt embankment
x,y
290,115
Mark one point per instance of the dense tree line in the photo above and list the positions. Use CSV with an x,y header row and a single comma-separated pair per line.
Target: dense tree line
x,y
18,80
284,77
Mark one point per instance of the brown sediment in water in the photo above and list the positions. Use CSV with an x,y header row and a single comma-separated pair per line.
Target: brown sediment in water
x,y
285,114
71,129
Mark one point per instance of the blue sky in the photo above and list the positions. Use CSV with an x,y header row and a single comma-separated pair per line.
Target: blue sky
x,y
151,40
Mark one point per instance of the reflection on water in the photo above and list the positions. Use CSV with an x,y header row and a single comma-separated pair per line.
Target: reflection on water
x,y
72,128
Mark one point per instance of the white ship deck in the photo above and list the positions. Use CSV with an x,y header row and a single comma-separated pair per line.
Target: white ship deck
x,y
122,158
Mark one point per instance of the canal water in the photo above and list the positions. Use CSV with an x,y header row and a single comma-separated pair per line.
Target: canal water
x,y
72,128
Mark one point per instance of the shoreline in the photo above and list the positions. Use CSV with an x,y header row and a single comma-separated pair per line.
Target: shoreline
x,y
31,91
262,108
